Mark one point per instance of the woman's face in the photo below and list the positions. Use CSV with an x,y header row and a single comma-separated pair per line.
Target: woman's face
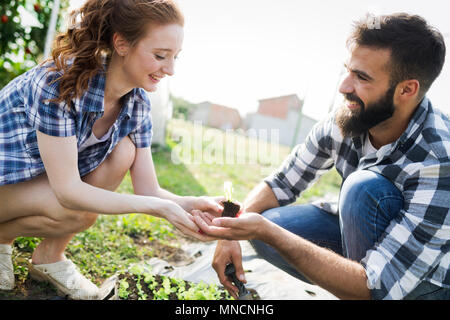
x,y
153,57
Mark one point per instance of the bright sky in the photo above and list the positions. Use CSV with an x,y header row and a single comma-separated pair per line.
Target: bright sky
x,y
236,52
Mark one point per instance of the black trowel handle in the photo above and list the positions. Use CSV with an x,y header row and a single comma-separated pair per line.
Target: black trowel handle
x,y
230,272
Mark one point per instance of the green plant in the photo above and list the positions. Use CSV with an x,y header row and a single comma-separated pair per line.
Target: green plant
x,y
23,29
143,285
123,289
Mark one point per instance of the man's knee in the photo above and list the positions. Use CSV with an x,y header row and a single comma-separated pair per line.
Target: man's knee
x,y
365,188
367,204
358,183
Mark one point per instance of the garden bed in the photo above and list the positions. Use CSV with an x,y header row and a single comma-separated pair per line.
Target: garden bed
x,y
139,284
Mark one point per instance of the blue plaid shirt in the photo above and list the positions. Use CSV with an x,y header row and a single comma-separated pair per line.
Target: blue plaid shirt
x,y
24,109
415,246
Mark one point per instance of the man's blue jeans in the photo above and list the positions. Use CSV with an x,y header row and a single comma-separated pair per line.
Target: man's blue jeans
x,y
367,204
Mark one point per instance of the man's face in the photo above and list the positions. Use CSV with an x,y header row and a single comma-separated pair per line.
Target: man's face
x,y
369,97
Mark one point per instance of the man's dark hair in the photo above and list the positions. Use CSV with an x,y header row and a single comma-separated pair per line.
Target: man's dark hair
x,y
417,49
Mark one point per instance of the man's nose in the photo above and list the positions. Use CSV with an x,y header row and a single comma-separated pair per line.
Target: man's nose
x,y
347,85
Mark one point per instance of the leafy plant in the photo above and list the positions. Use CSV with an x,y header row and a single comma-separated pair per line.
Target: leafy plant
x,y
141,284
123,289
23,29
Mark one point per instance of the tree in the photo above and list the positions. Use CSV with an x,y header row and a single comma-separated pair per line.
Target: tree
x,y
181,107
23,28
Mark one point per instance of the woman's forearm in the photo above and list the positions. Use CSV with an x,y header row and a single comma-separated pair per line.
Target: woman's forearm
x,y
158,192
82,196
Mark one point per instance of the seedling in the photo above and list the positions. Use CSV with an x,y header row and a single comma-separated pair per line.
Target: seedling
x,y
123,289
230,209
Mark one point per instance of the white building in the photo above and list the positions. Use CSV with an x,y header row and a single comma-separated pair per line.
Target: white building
x,y
283,114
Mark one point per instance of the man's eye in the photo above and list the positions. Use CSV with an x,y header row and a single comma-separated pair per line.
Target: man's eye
x,y
360,77
159,57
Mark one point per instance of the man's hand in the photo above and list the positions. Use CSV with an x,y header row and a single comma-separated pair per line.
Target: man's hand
x,y
228,252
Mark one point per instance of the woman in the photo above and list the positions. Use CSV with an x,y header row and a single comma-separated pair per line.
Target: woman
x,y
72,127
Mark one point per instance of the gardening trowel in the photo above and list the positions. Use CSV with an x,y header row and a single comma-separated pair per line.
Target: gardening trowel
x,y
230,272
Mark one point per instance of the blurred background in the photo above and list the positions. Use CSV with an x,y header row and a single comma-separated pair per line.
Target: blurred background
x,y
261,64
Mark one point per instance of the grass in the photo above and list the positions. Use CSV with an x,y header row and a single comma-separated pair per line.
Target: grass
x,y
116,241
253,161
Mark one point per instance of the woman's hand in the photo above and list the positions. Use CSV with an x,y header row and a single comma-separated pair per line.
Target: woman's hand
x,y
211,205
182,220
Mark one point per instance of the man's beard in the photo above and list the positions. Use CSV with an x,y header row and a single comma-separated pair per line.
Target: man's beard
x,y
354,124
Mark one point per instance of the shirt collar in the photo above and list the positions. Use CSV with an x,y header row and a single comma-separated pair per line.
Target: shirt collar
x,y
417,120
413,129
128,104
93,99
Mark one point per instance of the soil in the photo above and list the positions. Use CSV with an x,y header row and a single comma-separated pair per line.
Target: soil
x,y
230,209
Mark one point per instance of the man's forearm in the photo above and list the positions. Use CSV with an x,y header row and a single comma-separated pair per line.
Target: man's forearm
x,y
260,199
344,278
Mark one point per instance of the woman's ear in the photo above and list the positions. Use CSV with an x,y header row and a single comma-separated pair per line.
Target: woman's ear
x,y
121,46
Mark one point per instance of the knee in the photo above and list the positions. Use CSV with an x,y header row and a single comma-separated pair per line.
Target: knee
x,y
366,189
123,155
76,221
85,220
358,183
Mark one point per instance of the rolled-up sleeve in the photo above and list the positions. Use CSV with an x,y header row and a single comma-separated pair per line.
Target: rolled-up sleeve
x,y
51,118
142,135
416,241
304,165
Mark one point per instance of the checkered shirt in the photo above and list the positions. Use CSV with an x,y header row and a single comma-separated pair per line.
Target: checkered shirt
x,y
24,108
415,246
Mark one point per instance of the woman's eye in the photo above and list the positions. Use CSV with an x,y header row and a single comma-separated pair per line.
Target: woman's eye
x,y
159,57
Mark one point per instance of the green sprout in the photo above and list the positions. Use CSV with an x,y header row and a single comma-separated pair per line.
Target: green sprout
x,y
123,289
228,188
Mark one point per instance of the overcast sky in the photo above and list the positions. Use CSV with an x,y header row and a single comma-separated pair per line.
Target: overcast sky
x,y
236,52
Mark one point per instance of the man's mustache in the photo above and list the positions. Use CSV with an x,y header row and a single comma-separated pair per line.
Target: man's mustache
x,y
355,98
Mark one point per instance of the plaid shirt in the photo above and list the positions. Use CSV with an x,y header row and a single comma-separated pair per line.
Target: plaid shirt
x,y
415,246
24,109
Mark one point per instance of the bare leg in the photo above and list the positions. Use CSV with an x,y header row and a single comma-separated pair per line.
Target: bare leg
x,y
47,218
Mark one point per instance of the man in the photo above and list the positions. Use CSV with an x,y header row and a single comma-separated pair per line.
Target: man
x,y
391,238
